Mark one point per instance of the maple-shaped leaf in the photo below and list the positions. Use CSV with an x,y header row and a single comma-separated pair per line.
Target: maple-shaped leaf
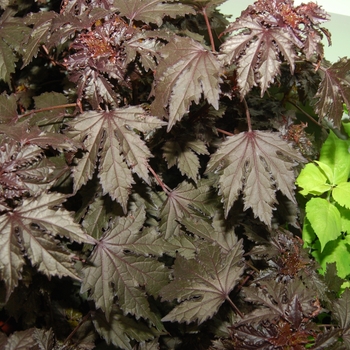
x,y
98,214
21,340
152,11
214,232
180,202
32,135
120,329
12,33
100,57
186,72
292,301
114,138
30,228
341,310
115,271
256,49
257,164
333,91
45,339
8,109
184,153
202,284
41,22
19,167
147,48
49,119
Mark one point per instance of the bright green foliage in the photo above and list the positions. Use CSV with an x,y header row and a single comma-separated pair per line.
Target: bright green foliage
x,y
327,215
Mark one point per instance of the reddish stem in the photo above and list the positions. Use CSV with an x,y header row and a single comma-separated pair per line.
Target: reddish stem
x,y
209,29
164,187
247,113
224,132
68,105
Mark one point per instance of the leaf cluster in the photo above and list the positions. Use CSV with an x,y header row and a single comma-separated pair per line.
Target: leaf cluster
x,y
148,157
326,184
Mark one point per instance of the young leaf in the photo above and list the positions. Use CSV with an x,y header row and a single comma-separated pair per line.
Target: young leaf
x,y
335,153
115,272
324,218
186,72
152,11
335,251
333,91
313,180
203,284
256,48
257,163
341,193
122,150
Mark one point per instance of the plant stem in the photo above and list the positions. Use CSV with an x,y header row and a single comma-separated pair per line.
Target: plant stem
x,y
209,29
306,114
234,307
44,109
224,132
247,113
83,320
164,187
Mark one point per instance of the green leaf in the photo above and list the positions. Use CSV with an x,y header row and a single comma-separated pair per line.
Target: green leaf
x,y
345,218
341,193
186,72
324,218
335,153
309,235
115,272
256,163
337,251
152,11
313,179
201,285
123,149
